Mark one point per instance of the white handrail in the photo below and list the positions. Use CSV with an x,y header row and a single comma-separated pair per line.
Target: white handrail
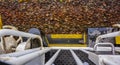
x,y
4,32
113,34
21,53
77,60
53,58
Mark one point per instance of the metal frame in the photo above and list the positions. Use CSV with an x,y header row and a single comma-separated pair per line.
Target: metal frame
x,y
20,58
4,32
113,34
112,46
21,53
13,28
24,59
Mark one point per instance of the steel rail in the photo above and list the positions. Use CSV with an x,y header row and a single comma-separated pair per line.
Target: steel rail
x,y
113,34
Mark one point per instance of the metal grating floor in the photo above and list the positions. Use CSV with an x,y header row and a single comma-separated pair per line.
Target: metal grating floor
x,y
83,56
65,58
49,54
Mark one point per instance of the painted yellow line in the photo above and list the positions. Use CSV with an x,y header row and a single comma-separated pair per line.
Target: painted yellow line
x,y
67,45
66,36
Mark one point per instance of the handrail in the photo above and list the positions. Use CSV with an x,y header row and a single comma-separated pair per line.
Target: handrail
x,y
113,34
112,46
4,32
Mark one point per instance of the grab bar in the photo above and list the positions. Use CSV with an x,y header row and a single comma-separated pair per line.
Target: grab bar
x,y
112,46
113,34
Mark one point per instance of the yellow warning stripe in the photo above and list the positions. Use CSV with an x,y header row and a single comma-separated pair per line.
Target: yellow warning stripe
x,y
0,22
73,36
117,38
67,45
